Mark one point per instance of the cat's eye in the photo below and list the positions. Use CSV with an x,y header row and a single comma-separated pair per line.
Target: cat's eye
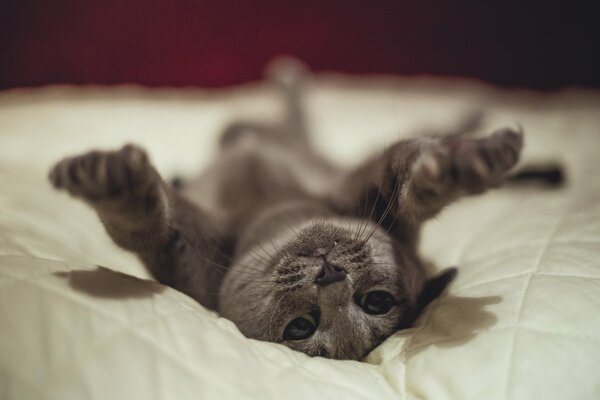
x,y
300,328
377,302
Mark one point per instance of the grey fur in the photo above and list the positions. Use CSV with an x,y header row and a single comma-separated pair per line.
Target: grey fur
x,y
251,236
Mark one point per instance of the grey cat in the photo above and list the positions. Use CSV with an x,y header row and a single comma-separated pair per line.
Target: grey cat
x,y
291,248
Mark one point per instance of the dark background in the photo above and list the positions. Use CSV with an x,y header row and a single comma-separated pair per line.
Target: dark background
x,y
218,43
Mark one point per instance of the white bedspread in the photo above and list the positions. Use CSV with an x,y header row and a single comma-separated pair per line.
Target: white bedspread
x,y
81,319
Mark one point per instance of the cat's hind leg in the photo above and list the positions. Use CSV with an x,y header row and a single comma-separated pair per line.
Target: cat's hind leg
x,y
288,76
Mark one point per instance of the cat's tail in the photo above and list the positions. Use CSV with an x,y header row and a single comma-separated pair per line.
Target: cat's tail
x,y
549,174
290,76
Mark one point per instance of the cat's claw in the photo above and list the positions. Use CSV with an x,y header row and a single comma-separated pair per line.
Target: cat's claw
x,y
104,175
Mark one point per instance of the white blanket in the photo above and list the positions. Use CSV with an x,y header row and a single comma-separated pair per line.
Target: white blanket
x,y
81,319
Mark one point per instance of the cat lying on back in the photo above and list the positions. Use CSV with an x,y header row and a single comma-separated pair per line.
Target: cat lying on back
x,y
289,247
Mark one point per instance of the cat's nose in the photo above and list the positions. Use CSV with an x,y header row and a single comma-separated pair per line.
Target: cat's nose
x,y
330,274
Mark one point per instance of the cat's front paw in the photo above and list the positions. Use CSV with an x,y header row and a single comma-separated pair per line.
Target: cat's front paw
x,y
98,176
483,163
459,164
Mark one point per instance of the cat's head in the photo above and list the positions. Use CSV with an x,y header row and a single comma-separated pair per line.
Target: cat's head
x,y
330,287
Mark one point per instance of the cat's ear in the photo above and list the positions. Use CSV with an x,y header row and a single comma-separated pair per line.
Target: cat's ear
x,y
435,286
431,290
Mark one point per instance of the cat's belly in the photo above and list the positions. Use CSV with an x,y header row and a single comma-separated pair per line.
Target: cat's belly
x,y
255,174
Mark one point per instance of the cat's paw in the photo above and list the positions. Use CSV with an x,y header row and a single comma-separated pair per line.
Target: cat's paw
x,y
465,165
99,176
482,163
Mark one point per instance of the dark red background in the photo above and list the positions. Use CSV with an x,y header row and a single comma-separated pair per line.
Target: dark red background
x,y
217,43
